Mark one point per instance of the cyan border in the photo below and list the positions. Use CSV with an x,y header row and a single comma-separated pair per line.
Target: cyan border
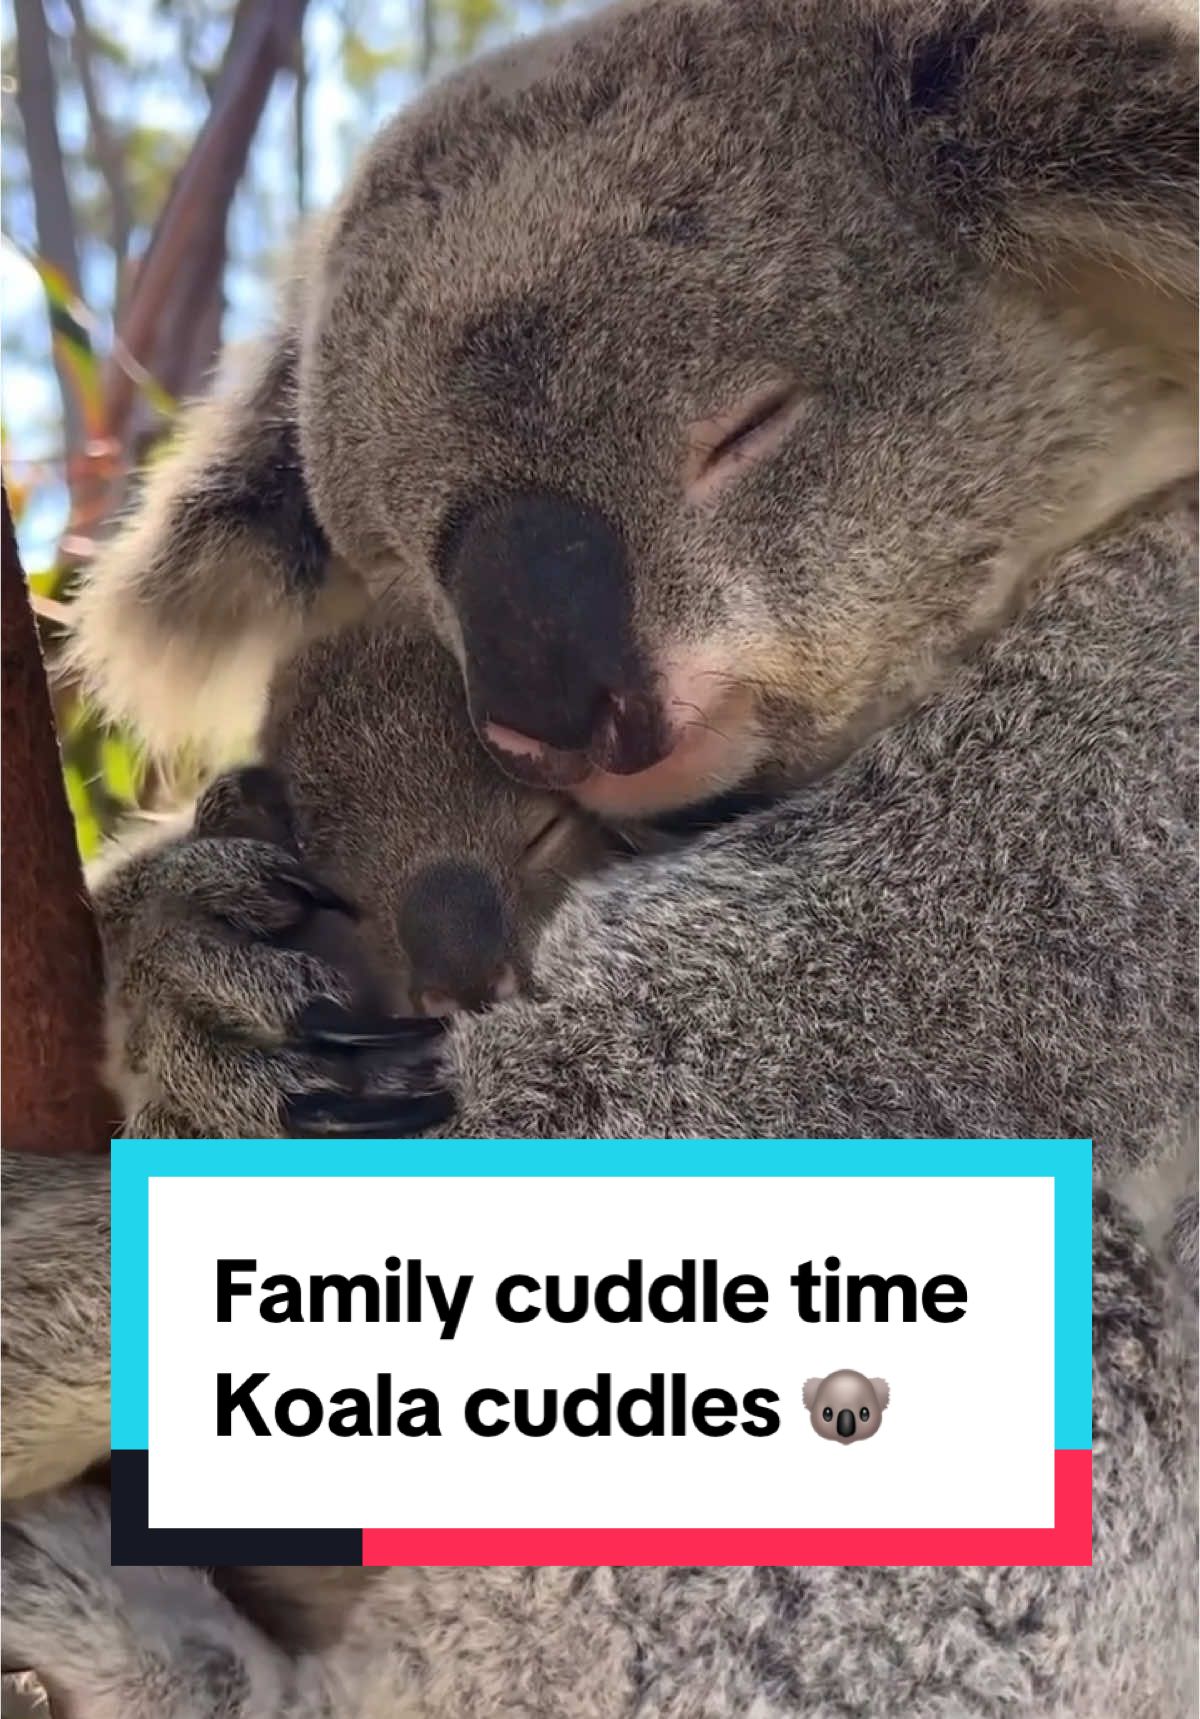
x,y
1068,1162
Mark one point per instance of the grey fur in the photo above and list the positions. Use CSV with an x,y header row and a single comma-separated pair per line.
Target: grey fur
x,y
954,611
56,1259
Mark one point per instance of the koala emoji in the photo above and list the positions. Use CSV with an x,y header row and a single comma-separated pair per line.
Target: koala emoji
x,y
846,1406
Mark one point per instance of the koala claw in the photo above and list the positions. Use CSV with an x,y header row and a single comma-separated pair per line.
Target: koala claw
x,y
327,1022
335,1116
410,1046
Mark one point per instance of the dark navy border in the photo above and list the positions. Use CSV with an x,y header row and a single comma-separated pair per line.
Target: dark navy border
x,y
135,1542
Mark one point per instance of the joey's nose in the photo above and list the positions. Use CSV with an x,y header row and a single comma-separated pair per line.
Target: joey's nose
x,y
845,1424
556,686
455,934
471,997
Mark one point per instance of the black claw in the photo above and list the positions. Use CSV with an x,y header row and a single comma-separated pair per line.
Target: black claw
x,y
328,1115
327,1022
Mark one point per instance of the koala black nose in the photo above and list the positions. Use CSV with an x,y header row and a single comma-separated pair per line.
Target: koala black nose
x,y
845,1424
454,929
555,684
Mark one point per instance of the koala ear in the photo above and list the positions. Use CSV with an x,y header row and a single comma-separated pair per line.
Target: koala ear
x,y
251,802
220,570
882,1392
1056,138
811,1387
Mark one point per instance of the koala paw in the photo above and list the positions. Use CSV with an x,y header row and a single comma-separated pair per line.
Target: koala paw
x,y
231,1018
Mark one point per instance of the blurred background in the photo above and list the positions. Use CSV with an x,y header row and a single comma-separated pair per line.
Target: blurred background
x,y
156,157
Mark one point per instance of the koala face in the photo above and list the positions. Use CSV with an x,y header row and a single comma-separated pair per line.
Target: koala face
x,y
453,866
708,376
639,357
846,1406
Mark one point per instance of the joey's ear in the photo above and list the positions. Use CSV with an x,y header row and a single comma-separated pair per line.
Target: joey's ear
x,y
219,572
811,1387
1057,138
882,1392
251,802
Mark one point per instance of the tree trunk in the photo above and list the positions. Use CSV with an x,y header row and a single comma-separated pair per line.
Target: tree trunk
x,y
52,1098
161,313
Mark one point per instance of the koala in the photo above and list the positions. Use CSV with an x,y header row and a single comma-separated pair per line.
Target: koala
x,y
846,1406
457,866
780,406
400,881
706,499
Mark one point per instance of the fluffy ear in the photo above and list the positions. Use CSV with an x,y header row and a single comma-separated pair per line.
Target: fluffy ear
x,y
1057,138
220,571
882,1392
251,802
811,1387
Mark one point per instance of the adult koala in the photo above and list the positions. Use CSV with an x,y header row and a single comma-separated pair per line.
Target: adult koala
x,y
768,395
740,391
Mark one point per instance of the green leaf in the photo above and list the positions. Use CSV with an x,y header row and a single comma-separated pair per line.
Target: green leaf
x,y
363,64
69,319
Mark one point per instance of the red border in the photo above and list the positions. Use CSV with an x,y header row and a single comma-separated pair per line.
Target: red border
x,y
1068,1542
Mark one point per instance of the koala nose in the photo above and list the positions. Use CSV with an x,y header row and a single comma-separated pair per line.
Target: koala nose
x,y
845,1424
555,684
470,999
454,931
627,734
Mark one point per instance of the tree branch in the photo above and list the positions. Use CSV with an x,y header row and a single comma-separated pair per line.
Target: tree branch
x,y
198,206
37,101
105,148
427,38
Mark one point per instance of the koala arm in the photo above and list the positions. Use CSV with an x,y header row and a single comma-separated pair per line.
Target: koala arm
x,y
830,997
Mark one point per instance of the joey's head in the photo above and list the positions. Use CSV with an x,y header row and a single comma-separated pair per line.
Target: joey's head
x,y
709,374
394,804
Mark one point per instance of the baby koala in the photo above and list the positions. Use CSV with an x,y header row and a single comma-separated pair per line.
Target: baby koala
x,y
372,777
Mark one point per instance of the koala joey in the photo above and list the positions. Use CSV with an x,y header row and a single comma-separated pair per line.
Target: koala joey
x,y
406,877
777,398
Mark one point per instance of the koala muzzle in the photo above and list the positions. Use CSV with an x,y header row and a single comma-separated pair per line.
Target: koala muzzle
x,y
455,933
555,684
846,1424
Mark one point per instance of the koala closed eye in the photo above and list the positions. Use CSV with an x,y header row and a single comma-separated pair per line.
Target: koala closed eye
x,y
721,447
